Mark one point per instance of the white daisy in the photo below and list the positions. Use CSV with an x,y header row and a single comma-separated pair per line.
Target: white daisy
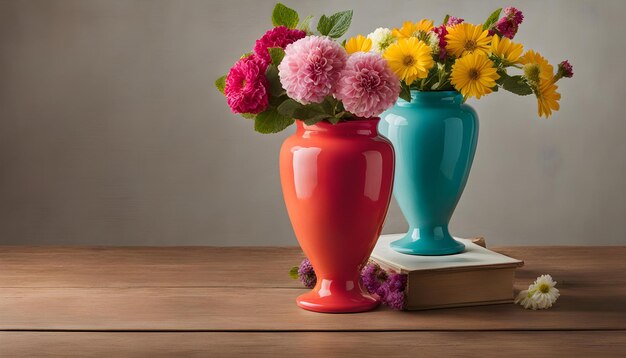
x,y
525,299
541,294
381,39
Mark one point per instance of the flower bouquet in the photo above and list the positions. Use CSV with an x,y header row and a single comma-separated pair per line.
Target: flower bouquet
x,y
336,171
433,131
471,59
296,73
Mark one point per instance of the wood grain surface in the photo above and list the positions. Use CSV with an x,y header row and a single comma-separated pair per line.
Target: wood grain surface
x,y
313,344
99,301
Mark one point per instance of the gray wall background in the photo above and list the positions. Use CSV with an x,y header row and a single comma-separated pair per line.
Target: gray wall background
x,y
111,132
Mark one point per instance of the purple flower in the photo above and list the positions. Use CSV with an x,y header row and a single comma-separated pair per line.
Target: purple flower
x,y
246,87
393,291
508,25
397,282
395,300
389,287
306,274
373,276
565,69
277,37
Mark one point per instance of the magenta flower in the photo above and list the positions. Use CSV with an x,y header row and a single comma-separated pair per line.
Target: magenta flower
x,y
367,86
441,31
277,37
306,274
311,68
508,25
246,87
565,69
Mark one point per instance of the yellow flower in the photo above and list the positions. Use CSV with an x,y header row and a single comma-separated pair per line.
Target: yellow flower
x,y
410,59
466,38
410,29
474,75
536,67
506,49
358,43
547,98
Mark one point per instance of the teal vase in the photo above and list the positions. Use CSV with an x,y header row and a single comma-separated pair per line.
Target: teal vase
x,y
434,137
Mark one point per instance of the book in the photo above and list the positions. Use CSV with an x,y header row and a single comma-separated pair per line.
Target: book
x,y
477,276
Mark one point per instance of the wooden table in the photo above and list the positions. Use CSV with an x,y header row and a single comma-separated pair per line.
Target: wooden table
x,y
215,302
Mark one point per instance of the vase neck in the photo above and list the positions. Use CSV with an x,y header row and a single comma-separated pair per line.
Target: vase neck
x,y
358,127
432,98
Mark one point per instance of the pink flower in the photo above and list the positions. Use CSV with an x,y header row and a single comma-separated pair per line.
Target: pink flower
x,y
565,69
367,86
454,21
311,68
509,24
246,86
277,37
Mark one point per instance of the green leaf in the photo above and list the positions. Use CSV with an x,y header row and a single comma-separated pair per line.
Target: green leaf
x,y
492,19
276,88
309,113
342,22
336,25
405,92
324,25
305,25
277,54
284,16
270,121
289,107
315,119
248,115
445,19
220,83
293,273
514,84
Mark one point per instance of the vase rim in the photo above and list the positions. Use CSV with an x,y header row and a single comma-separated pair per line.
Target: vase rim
x,y
360,126
448,97
450,92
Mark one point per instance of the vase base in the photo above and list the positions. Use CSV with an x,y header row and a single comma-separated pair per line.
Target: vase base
x,y
427,246
346,302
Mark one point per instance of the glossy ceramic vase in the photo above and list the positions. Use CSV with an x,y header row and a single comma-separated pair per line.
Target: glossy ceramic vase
x,y
434,137
337,183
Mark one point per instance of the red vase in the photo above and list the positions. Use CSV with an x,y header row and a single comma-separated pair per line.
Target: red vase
x,y
337,182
